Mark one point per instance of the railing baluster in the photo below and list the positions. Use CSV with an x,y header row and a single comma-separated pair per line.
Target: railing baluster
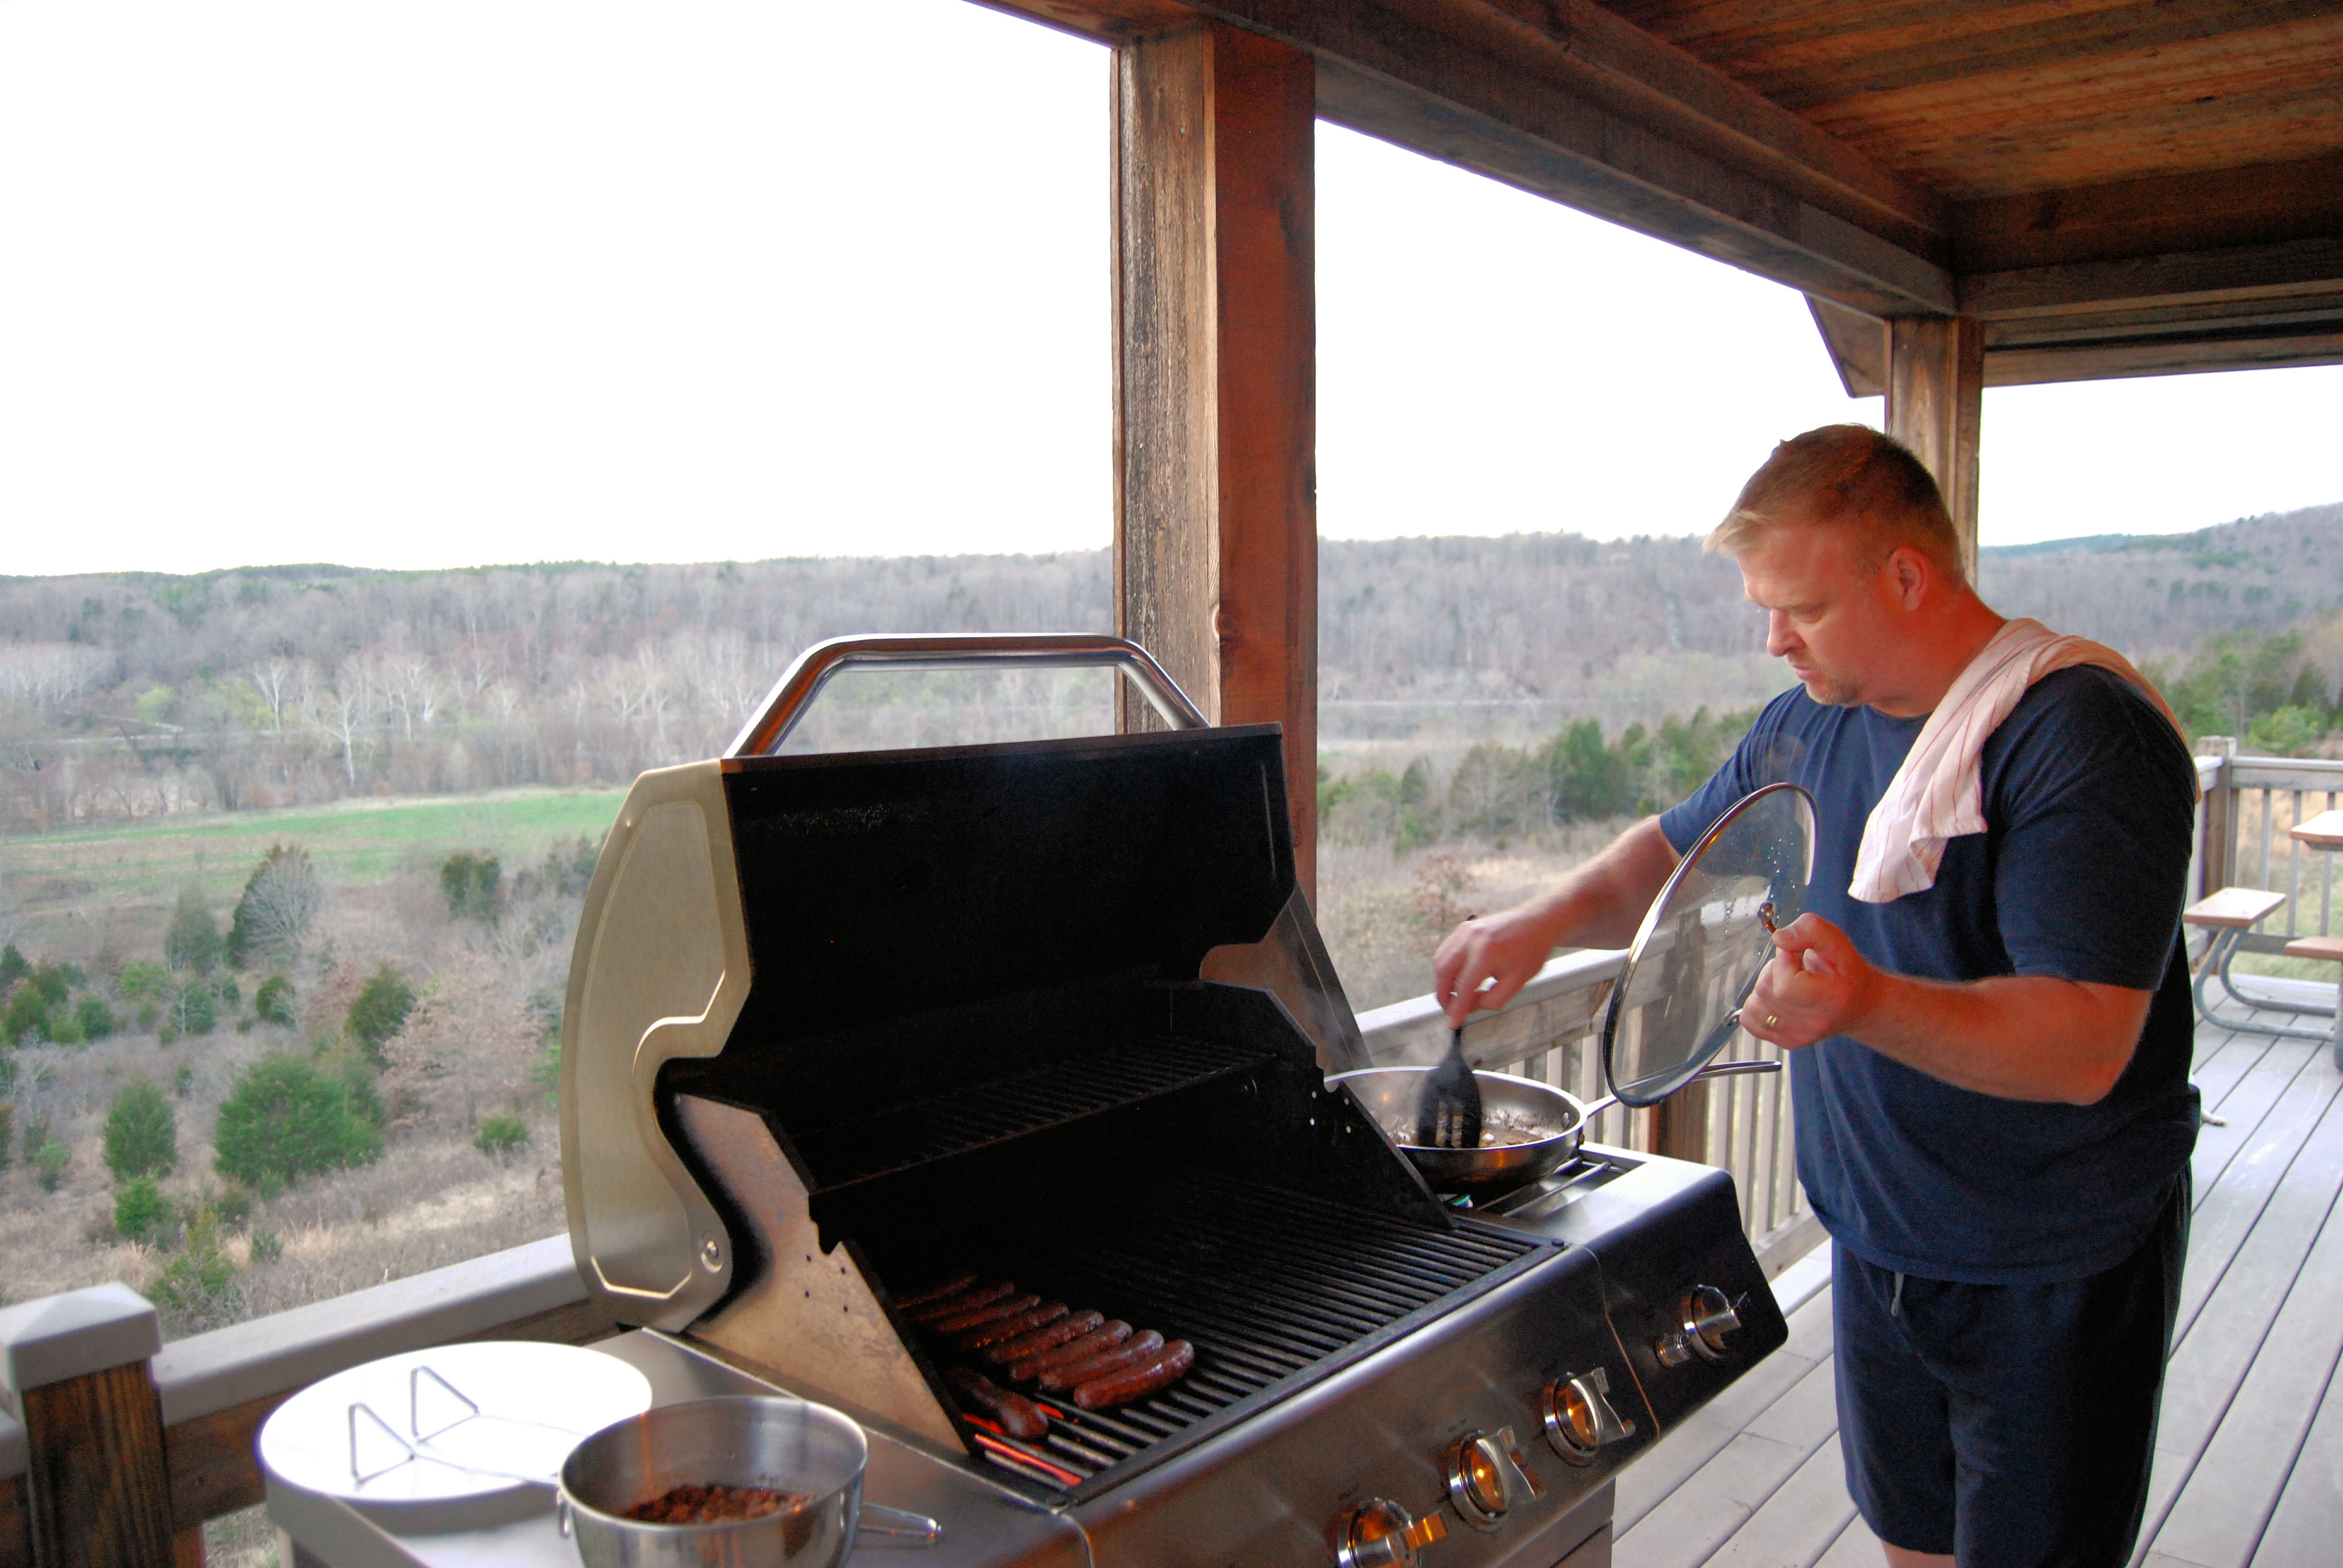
x,y
2294,865
2326,882
2269,821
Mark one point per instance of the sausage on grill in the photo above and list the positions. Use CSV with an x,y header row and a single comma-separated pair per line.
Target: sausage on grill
x,y
1137,1381
974,1296
972,1317
1139,1350
1014,1411
1047,1337
951,1285
1011,1327
1105,1337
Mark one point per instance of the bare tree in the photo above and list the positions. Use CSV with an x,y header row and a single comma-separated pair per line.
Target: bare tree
x,y
338,712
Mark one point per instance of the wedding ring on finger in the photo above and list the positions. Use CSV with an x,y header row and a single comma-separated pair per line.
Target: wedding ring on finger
x,y
1773,1020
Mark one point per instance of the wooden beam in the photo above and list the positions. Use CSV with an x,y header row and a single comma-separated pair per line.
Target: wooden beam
x,y
1111,21
1565,100
1857,344
2295,269
1216,530
1935,401
2117,360
2224,209
1451,80
1620,68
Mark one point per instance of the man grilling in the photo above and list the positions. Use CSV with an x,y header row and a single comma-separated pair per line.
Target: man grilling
x,y
1987,1006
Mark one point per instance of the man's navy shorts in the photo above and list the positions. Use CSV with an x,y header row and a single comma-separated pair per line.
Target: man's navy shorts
x,y
2009,1426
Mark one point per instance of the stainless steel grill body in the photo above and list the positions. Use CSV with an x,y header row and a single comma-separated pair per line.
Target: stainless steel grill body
x,y
839,1025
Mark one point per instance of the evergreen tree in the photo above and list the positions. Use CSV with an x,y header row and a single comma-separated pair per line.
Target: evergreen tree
x,y
285,1119
381,1007
274,1001
192,940
141,1212
142,1136
470,885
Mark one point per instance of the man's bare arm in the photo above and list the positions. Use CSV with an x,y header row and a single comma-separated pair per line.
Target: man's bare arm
x,y
2017,1036
1600,904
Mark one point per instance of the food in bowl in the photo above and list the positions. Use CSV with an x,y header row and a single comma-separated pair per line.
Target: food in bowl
x,y
714,1504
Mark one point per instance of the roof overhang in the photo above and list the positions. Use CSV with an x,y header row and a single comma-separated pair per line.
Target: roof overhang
x,y
2225,267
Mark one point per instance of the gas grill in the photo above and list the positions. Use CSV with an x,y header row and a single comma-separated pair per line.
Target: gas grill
x,y
841,1025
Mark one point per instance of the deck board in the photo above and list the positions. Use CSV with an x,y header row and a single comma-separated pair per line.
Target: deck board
x,y
2308,1521
2249,1449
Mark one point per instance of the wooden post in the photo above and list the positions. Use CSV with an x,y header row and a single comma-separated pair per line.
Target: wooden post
x,y
1680,1124
1216,528
1936,404
74,1370
2218,853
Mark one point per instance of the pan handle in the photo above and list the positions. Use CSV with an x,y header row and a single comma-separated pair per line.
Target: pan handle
x,y
787,702
1714,1070
896,1527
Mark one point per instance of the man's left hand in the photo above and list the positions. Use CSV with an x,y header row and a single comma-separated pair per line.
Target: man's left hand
x,y
1815,985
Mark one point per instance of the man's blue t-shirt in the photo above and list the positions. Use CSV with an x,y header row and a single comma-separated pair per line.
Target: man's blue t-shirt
x,y
2090,803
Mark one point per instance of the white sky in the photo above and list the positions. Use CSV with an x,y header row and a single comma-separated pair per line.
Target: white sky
x,y
455,281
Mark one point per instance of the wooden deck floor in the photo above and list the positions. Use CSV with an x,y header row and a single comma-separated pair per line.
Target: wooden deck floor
x,y
2250,1449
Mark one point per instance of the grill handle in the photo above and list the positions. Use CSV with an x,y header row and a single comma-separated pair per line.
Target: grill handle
x,y
787,702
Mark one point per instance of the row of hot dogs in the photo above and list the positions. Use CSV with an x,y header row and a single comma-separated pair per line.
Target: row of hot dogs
x,y
1081,1354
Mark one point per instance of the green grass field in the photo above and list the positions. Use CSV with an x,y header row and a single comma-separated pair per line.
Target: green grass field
x,y
350,842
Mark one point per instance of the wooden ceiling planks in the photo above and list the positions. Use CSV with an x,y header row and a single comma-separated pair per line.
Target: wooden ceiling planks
x,y
2112,186
1981,101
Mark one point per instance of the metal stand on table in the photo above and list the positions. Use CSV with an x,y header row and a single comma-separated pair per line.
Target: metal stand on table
x,y
2230,914
2216,966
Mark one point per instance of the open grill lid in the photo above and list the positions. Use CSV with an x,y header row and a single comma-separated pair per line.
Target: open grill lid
x,y
924,923
951,1002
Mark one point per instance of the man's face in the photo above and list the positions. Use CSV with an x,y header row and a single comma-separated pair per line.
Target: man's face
x,y
1832,614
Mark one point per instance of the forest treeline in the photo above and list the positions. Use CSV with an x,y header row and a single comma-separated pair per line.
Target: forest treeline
x,y
126,696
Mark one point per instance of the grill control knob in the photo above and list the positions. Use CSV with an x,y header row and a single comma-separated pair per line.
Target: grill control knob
x,y
1382,1534
1704,1319
1487,1475
1579,1418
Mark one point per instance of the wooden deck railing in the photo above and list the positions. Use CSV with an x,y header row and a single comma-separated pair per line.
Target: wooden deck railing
x,y
211,1391
2242,839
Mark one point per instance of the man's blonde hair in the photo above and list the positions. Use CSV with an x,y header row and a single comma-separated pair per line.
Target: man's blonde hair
x,y
1843,476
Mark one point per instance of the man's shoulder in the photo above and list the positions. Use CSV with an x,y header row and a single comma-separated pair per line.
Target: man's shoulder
x,y
2083,721
2088,705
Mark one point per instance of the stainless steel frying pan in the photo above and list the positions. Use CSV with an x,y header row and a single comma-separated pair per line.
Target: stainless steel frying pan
x,y
1389,1096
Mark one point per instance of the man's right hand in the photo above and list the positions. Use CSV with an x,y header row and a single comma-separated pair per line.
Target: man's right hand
x,y
1483,963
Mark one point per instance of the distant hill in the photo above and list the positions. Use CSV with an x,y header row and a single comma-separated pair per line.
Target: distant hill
x,y
131,694
2157,594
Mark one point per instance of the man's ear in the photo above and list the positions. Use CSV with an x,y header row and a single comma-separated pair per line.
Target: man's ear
x,y
1912,575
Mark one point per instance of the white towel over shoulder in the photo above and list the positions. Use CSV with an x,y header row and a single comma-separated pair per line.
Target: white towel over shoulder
x,y
1939,793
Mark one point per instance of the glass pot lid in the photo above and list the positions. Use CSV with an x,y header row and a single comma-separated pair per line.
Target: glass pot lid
x,y
1677,999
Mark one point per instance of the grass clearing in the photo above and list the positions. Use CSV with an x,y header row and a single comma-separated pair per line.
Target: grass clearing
x,y
351,843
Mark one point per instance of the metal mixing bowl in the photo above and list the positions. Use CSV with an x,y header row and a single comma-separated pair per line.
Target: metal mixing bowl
x,y
787,1444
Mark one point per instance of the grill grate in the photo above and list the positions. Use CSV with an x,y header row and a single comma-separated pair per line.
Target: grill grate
x,y
1036,1098
1272,1290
